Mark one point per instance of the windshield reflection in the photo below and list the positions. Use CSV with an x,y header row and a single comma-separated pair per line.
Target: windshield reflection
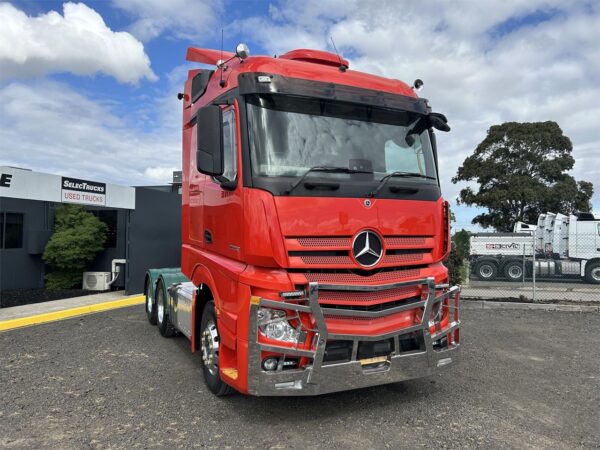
x,y
289,135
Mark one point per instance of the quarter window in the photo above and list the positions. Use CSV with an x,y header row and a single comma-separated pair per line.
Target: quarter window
x,y
229,146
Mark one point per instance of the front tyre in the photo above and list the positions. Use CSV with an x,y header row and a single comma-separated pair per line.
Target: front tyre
x,y
486,270
209,344
592,272
162,317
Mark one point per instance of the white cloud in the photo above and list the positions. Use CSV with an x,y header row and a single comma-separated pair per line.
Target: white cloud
x,y
184,19
160,174
483,63
77,41
55,129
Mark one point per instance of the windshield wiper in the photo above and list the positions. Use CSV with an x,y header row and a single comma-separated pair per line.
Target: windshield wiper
x,y
329,169
385,179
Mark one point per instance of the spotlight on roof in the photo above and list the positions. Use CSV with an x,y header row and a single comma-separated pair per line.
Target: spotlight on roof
x,y
417,85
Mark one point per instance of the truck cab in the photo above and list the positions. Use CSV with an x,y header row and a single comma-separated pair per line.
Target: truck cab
x,y
313,227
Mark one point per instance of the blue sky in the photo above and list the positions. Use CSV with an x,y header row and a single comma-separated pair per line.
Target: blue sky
x,y
88,89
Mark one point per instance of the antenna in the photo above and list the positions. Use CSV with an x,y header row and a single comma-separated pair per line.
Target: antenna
x,y
342,66
221,82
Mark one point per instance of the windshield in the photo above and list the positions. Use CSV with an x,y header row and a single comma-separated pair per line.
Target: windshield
x,y
290,135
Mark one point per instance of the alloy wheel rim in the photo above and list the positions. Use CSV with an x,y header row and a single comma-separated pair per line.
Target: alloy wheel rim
x,y
210,347
486,271
161,312
515,272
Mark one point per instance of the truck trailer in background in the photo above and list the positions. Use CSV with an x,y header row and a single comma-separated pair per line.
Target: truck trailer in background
x,y
559,246
313,228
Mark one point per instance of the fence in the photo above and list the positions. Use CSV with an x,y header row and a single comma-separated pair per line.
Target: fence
x,y
524,268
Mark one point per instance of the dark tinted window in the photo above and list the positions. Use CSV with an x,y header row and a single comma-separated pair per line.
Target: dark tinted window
x,y
110,219
13,230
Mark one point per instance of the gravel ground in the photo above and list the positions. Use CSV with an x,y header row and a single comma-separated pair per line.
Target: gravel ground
x,y
528,379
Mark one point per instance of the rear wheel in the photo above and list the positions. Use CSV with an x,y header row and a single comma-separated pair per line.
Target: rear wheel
x,y
592,273
513,271
209,344
150,304
162,317
486,270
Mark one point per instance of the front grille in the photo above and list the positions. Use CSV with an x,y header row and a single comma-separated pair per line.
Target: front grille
x,y
401,241
400,259
324,242
348,277
366,298
336,251
341,260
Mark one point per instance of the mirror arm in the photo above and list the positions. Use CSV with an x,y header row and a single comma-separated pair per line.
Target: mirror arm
x,y
225,183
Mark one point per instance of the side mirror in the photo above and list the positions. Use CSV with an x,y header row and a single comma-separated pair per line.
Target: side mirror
x,y
439,121
209,151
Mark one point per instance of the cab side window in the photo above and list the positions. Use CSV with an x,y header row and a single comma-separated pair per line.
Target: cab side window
x,y
229,146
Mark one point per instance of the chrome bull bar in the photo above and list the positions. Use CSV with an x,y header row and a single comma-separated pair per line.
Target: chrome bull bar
x,y
319,378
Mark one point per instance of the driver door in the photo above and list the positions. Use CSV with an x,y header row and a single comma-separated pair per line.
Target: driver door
x,y
223,210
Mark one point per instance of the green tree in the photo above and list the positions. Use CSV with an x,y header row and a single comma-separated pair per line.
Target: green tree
x,y
455,263
462,240
77,239
521,171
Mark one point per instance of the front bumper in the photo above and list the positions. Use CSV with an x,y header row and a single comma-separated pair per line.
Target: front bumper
x,y
320,378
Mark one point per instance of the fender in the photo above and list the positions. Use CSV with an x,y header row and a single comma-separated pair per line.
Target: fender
x,y
201,276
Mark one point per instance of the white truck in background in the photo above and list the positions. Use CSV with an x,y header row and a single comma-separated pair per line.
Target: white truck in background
x,y
558,246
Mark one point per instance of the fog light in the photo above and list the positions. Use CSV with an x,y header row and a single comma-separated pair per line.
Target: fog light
x,y
270,364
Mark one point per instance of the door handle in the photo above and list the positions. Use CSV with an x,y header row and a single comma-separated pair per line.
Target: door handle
x,y
207,237
194,187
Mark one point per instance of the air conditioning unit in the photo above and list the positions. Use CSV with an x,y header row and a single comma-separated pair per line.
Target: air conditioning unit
x,y
96,281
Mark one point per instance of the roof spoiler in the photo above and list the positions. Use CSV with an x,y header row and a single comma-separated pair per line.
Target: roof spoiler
x,y
207,56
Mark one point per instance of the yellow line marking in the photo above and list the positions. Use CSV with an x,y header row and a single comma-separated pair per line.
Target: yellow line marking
x,y
67,313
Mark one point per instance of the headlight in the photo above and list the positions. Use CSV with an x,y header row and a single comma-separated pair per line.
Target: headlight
x,y
437,312
273,324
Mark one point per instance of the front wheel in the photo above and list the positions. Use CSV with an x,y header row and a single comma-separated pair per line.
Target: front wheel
x,y
209,344
486,270
592,273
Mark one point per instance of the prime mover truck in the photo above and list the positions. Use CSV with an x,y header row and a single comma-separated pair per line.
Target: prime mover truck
x,y
559,246
313,228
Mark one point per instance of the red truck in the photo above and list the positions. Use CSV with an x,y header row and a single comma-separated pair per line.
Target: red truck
x,y
313,228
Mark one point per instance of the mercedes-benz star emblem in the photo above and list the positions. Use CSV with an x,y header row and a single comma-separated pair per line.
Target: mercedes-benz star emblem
x,y
367,248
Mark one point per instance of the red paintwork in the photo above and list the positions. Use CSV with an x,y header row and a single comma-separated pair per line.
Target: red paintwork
x,y
265,228
316,56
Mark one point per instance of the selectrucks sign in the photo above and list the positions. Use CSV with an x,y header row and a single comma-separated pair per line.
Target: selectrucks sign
x,y
74,190
45,187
